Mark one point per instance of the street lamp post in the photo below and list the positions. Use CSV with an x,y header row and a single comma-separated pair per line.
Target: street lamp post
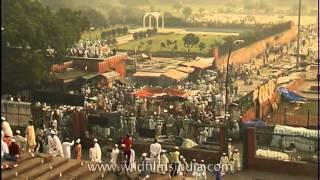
x,y
91,29
298,40
227,79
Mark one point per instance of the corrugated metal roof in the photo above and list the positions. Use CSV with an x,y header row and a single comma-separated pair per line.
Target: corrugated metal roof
x,y
146,74
201,64
185,69
89,76
112,75
175,74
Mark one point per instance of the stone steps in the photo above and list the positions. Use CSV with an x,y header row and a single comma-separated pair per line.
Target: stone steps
x,y
22,168
38,171
55,173
93,176
82,171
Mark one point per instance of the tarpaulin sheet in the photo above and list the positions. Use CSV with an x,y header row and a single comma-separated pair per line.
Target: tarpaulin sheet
x,y
289,95
155,92
258,123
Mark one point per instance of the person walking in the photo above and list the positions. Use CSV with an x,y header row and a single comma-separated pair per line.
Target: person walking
x,y
155,150
230,148
164,161
127,149
224,161
6,128
114,155
78,150
95,155
236,158
31,137
66,146
55,147
144,173
174,156
132,161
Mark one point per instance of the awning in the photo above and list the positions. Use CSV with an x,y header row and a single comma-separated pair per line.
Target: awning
x,y
111,76
185,69
89,76
146,74
289,95
175,74
156,92
200,64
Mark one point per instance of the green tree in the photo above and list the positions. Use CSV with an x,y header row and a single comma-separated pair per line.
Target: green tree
x,y
95,18
177,6
119,30
162,45
115,15
190,40
28,30
135,35
149,32
187,11
202,46
201,10
124,30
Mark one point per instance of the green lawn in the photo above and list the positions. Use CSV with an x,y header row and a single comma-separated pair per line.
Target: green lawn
x,y
157,39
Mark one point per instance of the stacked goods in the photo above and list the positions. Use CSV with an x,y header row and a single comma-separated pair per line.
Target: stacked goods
x,y
304,139
272,154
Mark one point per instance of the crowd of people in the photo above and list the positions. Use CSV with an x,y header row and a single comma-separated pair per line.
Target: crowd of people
x,y
197,117
123,159
91,49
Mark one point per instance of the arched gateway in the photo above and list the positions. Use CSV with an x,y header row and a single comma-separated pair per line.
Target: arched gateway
x,y
156,15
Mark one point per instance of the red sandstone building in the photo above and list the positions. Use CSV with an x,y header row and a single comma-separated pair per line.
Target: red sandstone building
x,y
87,68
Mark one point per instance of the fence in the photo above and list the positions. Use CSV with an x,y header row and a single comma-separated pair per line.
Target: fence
x,y
17,113
293,115
273,145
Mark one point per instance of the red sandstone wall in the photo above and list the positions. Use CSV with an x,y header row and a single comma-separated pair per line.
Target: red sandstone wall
x,y
244,55
116,63
61,67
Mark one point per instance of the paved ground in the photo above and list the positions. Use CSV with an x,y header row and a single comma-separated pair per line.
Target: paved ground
x,y
246,175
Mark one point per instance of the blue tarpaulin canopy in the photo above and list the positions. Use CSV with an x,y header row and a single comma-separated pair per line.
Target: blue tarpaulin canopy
x,y
258,123
289,95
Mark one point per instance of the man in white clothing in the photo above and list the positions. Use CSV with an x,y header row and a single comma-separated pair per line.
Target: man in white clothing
x,y
155,150
95,155
4,147
5,126
230,148
66,146
114,155
21,141
132,161
203,136
54,143
236,158
224,161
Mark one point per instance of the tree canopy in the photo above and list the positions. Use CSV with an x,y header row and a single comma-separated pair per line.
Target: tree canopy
x,y
190,40
28,29
187,11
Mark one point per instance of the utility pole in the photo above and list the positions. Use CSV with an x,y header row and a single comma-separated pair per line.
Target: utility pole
x,y
298,40
226,115
135,58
